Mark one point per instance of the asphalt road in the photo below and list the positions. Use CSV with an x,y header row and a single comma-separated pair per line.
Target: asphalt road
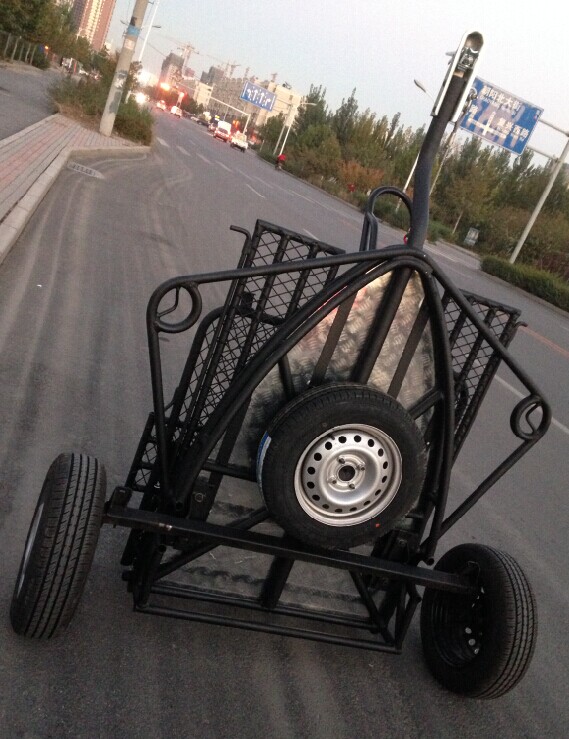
x,y
24,97
74,375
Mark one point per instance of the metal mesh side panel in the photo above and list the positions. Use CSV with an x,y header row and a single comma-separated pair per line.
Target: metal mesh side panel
x,y
249,322
474,362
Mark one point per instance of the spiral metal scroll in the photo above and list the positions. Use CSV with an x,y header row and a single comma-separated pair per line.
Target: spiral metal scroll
x,y
522,414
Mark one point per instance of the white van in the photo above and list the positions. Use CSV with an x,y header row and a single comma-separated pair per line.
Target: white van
x,y
222,131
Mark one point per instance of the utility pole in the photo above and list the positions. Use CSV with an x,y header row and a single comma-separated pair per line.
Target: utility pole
x,y
123,66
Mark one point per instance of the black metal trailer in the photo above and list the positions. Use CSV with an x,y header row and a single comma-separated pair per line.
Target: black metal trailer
x,y
340,387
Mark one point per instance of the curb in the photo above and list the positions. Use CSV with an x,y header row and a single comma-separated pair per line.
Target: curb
x,y
12,226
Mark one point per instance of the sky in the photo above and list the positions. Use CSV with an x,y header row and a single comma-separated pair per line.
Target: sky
x,y
374,46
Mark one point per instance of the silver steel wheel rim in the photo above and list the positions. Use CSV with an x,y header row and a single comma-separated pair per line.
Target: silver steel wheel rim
x,y
29,544
348,475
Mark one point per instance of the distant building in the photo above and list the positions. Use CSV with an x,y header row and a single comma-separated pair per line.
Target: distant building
x,y
215,76
228,90
286,104
220,92
197,91
92,19
171,71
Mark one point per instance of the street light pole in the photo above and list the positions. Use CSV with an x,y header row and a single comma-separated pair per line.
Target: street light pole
x,y
123,66
282,130
285,124
446,152
156,3
412,172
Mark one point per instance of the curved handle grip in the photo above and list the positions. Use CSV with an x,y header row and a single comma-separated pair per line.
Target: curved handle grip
x,y
368,239
156,316
522,414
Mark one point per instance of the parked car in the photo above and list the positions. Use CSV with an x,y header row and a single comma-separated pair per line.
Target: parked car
x,y
222,131
176,111
239,141
161,105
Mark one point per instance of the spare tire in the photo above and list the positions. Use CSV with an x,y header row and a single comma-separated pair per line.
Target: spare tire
x,y
340,464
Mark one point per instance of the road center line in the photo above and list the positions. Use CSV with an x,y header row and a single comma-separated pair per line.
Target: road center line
x,y
181,148
547,342
521,396
205,159
221,164
162,142
252,190
312,236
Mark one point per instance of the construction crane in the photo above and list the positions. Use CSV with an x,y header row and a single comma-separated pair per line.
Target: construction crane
x,y
188,49
227,66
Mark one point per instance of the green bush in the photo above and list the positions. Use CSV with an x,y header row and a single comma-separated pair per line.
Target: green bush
x,y
535,281
86,97
86,100
134,123
386,209
438,230
40,60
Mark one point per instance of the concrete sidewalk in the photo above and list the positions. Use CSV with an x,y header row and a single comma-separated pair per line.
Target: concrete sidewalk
x,y
30,161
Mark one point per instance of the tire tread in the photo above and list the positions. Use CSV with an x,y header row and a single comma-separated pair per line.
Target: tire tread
x,y
62,553
513,654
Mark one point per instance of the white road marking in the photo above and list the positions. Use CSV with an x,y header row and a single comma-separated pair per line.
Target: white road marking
x,y
266,184
312,236
554,421
256,193
162,142
205,159
447,268
303,197
221,164
441,254
181,148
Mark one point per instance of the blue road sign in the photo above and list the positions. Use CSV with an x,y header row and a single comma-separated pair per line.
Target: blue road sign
x,y
258,96
500,117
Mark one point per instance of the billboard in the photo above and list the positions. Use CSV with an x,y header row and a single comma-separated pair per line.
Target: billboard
x,y
499,117
258,96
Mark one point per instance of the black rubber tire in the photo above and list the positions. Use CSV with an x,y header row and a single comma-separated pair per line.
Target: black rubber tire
x,y
60,546
480,646
307,418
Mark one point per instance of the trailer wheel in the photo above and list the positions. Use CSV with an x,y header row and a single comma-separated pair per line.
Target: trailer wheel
x,y
60,546
340,464
480,645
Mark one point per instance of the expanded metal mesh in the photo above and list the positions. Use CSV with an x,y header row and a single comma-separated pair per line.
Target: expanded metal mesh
x,y
259,305
474,361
